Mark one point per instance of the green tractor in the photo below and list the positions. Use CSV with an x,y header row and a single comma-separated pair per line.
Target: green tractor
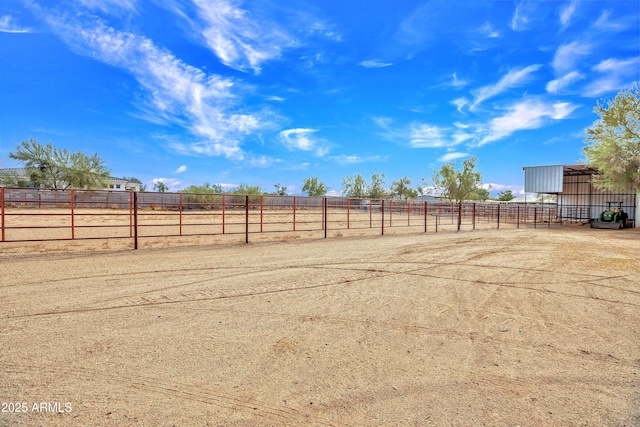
x,y
612,218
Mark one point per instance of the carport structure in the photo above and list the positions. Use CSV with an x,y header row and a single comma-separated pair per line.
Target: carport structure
x,y
578,199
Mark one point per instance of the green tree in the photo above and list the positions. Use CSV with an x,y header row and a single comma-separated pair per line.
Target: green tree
x,y
51,167
202,196
354,186
206,188
281,190
401,189
505,196
457,185
615,142
480,194
248,189
376,189
314,187
160,187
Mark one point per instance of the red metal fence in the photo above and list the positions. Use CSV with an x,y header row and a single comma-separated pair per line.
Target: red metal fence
x,y
28,214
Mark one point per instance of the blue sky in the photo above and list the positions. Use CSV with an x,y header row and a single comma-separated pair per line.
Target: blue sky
x,y
265,91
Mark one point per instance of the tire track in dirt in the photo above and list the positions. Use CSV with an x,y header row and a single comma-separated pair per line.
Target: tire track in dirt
x,y
152,303
419,272
173,389
159,272
589,278
176,271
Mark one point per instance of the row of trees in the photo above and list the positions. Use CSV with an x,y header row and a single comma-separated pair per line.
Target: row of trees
x,y
450,183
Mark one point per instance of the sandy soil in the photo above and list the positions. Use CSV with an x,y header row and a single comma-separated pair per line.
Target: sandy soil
x,y
486,328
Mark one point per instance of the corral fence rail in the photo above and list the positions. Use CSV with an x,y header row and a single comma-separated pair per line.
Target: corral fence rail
x,y
35,214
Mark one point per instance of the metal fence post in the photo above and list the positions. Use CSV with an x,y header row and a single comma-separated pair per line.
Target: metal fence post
x,y
246,219
135,220
181,214
130,214
499,216
2,209
473,215
348,213
425,216
382,210
459,215
261,205
223,214
535,217
324,216
517,216
294,213
370,213
73,230
437,219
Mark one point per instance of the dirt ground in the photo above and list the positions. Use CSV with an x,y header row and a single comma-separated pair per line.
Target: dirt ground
x,y
517,327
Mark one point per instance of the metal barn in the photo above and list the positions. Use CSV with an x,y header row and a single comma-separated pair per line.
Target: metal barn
x,y
578,199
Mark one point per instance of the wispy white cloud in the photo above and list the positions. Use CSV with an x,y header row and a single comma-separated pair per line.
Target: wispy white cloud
x,y
424,135
520,19
261,161
374,63
239,39
303,139
206,105
527,114
428,136
512,79
7,25
606,23
181,169
617,65
501,187
300,139
458,82
567,13
171,183
110,6
617,74
354,159
460,136
555,86
488,31
452,156
314,26
569,54
460,103
383,122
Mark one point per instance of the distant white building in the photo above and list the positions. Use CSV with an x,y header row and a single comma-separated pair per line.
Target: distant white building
x,y
428,198
119,184
15,174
